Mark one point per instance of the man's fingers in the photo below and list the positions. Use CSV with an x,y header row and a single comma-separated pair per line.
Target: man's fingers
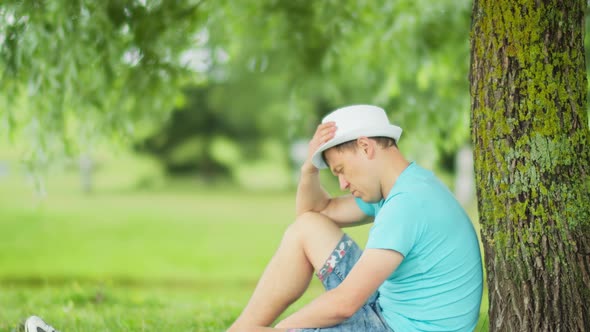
x,y
327,136
326,126
330,124
326,130
324,133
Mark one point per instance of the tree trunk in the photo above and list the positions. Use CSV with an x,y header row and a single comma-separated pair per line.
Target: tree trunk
x,y
532,161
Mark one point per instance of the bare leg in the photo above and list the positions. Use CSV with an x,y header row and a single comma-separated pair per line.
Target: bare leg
x,y
306,245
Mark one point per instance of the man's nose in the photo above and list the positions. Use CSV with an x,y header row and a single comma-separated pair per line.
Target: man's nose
x,y
343,183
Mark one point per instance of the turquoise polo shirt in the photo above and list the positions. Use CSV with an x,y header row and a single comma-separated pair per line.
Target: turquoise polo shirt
x,y
438,285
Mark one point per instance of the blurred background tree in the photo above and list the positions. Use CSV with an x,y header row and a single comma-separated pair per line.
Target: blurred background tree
x,y
85,71
75,72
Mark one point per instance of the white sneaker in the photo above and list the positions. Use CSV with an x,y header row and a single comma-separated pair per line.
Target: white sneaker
x,y
36,324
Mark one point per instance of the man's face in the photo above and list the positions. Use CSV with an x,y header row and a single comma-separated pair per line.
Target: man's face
x,y
354,173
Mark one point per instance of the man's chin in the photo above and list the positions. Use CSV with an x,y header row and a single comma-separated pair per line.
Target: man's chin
x,y
369,200
365,199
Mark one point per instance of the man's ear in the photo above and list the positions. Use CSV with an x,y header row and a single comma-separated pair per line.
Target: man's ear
x,y
367,146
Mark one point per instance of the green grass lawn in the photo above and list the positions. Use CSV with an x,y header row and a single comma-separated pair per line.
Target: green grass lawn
x,y
120,260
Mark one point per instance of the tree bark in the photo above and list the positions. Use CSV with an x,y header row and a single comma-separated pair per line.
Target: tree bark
x,y
532,161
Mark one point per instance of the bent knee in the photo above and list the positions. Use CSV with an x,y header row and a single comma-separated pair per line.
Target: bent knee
x,y
317,235
312,217
312,222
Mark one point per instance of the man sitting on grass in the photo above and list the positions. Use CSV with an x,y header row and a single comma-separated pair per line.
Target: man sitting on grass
x,y
421,269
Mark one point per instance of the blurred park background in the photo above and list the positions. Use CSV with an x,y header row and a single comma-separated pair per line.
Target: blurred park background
x,y
149,149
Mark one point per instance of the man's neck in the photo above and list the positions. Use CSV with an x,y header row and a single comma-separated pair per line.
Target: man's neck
x,y
392,170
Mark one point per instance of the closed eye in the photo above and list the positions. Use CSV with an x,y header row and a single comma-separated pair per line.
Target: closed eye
x,y
336,171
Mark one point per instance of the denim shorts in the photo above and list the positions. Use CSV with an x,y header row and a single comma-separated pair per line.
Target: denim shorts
x,y
336,268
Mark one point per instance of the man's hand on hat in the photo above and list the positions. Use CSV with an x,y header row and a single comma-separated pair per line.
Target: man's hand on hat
x,y
323,133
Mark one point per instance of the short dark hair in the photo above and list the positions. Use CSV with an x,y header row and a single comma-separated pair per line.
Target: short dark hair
x,y
384,142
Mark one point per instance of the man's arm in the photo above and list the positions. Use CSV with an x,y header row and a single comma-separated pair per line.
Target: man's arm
x,y
340,303
345,212
312,197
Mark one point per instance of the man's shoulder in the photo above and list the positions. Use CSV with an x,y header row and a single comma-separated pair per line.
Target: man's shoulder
x,y
418,183
412,175
406,204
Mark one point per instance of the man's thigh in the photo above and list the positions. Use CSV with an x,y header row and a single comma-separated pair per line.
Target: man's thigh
x,y
335,269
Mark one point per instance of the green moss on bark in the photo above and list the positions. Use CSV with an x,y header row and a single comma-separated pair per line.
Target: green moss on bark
x,y
531,138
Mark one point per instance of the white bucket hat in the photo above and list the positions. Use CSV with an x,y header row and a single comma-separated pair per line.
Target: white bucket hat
x,y
353,122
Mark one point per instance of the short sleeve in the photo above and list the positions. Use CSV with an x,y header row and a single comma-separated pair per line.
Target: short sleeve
x,y
398,225
367,208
